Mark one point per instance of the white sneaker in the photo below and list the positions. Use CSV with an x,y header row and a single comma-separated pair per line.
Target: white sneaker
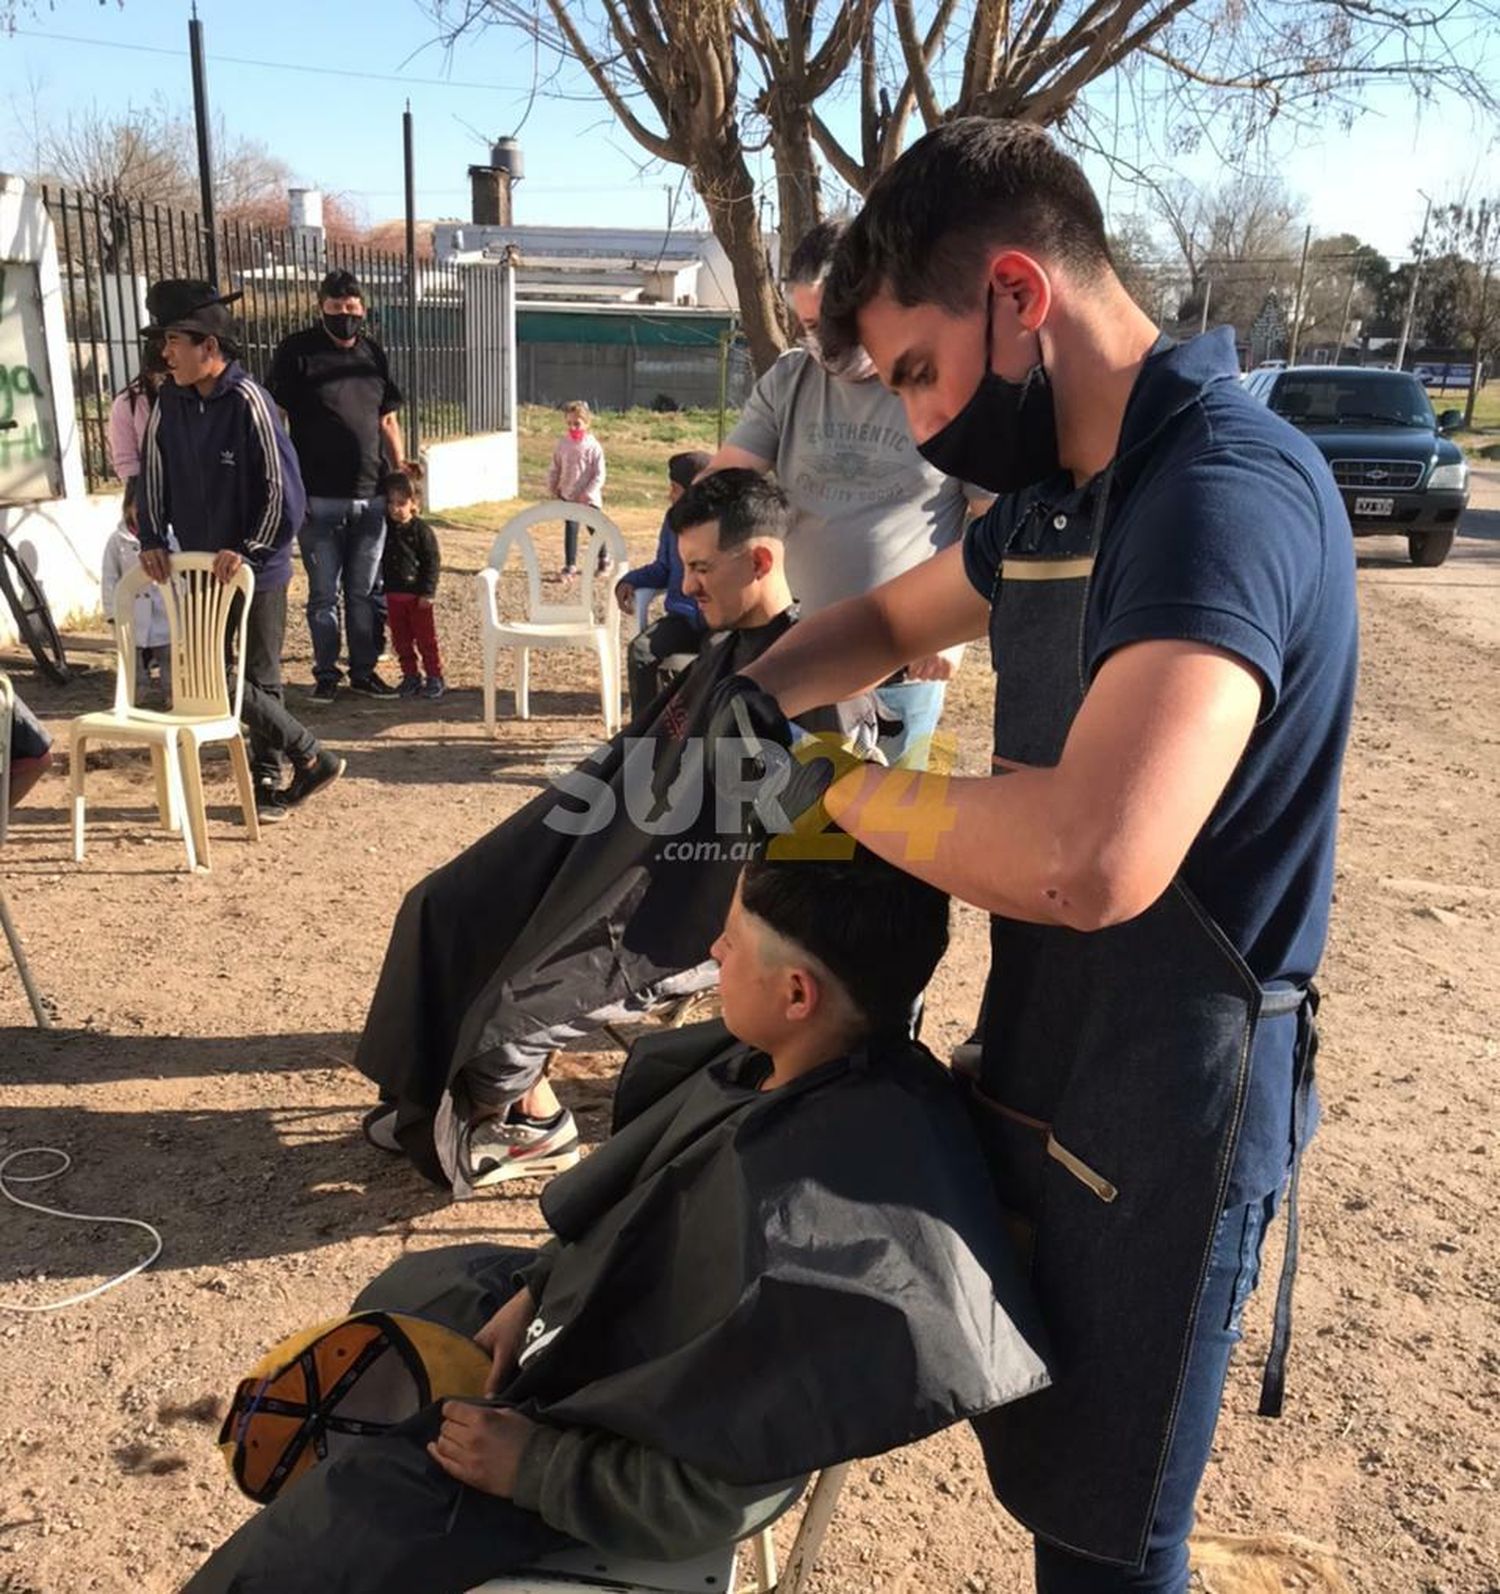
x,y
496,1149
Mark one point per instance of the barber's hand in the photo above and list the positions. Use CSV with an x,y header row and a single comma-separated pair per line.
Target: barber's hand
x,y
226,563
866,721
932,667
740,710
157,563
504,1336
624,596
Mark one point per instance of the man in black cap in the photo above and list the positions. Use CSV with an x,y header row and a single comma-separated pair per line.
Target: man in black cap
x,y
679,633
334,383
219,471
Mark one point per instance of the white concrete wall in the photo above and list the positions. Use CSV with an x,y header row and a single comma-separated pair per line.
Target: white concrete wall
x,y
60,539
470,470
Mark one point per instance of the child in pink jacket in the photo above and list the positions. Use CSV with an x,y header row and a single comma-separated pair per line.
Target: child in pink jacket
x,y
577,476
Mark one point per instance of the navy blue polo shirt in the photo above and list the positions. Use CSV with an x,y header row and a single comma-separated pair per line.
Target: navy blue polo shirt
x,y
1223,526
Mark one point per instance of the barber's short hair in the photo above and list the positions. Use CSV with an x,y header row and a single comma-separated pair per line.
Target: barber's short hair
x,y
932,218
745,503
341,284
878,931
808,263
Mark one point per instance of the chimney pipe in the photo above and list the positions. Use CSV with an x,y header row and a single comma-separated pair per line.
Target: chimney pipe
x,y
489,190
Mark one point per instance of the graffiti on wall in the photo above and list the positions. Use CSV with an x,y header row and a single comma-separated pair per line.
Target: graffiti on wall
x,y
29,466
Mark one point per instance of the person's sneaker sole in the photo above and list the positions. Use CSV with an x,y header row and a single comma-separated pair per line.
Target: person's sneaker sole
x,y
542,1165
379,1127
272,813
381,693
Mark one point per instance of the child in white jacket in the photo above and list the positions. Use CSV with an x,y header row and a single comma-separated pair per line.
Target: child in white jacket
x,y
152,634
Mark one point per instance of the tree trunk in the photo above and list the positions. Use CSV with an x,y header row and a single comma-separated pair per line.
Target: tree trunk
x,y
723,182
1479,340
799,193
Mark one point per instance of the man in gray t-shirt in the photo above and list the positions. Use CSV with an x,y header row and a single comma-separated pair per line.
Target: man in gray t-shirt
x,y
865,505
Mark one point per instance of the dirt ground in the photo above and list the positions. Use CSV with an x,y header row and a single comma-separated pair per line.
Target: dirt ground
x,y
199,1078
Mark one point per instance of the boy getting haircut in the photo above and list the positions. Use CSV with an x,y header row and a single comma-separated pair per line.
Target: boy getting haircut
x,y
780,1260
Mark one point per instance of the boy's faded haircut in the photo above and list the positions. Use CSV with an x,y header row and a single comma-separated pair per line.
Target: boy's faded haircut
x,y
879,931
745,503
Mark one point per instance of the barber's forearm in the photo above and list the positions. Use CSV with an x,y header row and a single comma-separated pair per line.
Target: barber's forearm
x,y
1019,845
844,650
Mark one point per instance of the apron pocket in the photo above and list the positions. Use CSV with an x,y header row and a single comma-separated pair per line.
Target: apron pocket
x,y
1016,1156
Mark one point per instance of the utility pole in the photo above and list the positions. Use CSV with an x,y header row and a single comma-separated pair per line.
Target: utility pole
x,y
1411,297
1344,321
414,343
205,152
1208,293
1297,302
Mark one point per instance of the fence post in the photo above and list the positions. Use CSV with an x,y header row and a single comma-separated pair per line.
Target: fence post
x,y
205,153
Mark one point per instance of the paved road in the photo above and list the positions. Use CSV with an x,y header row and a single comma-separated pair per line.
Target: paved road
x,y
1467,588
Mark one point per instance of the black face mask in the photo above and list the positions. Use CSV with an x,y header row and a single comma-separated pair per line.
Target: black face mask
x,y
343,324
1005,437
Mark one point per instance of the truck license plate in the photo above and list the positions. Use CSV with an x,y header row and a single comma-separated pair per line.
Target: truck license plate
x,y
1374,506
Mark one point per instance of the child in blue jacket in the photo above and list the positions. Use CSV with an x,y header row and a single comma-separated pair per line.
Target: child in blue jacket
x,y
681,629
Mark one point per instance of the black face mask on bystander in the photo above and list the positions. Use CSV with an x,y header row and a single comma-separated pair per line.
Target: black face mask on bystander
x,y
1005,437
343,324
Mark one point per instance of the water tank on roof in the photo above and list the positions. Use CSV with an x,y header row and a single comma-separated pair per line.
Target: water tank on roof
x,y
505,156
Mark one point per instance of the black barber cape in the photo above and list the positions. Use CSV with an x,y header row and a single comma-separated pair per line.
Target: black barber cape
x,y
536,924
762,1283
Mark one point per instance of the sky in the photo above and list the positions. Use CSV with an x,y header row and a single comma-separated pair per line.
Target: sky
x,y
323,87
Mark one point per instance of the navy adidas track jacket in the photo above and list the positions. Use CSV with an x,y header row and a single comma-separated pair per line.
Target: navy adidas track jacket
x,y
221,473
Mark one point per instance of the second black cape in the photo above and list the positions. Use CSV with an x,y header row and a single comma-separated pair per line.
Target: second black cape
x,y
535,923
766,1283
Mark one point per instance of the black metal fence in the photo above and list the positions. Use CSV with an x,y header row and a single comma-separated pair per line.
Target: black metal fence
x,y
452,358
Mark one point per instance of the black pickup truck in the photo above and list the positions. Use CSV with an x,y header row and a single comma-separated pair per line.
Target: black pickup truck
x,y
1396,469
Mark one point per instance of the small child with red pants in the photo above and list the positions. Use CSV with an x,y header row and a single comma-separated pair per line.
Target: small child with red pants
x,y
412,563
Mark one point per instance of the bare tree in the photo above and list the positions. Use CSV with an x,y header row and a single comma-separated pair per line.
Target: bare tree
x,y
670,71
148,153
1469,236
1238,241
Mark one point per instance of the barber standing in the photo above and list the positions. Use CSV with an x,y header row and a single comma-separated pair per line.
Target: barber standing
x,y
334,383
1168,586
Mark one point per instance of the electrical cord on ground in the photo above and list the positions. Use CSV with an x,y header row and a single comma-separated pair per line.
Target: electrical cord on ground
x,y
6,1180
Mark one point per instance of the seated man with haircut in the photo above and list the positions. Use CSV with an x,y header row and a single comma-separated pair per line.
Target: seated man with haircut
x,y
787,1255
597,900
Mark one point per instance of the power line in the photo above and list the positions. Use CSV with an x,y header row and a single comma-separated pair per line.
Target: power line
x,y
275,66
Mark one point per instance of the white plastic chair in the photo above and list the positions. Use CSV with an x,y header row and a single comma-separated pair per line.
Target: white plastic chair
x,y
12,935
579,1571
199,607
552,625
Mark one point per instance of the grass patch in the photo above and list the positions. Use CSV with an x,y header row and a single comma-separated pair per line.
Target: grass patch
x,y
637,445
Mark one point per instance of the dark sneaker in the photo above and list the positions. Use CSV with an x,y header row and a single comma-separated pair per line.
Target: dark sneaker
x,y
411,686
371,686
323,771
270,803
323,692
501,1148
435,686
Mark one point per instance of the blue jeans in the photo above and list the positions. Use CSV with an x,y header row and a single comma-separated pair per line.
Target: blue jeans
x,y
342,541
919,705
1233,1271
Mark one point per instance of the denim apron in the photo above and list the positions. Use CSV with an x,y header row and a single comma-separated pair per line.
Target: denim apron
x,y
1109,1094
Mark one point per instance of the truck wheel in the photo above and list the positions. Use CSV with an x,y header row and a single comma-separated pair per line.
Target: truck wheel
x,y
1429,548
